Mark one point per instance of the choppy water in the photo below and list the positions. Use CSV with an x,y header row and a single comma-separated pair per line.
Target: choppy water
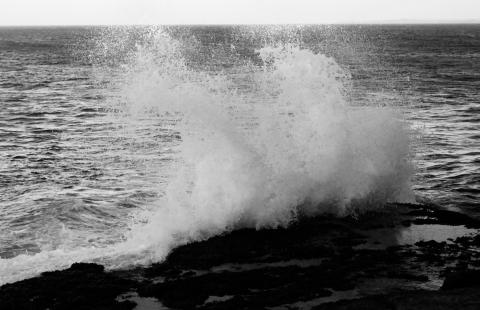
x,y
97,126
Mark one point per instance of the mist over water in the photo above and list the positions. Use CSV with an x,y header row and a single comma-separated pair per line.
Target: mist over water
x,y
191,151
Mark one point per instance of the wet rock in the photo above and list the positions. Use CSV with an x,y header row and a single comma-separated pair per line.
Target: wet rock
x,y
407,275
431,244
82,286
250,269
454,218
461,279
462,299
299,241
267,287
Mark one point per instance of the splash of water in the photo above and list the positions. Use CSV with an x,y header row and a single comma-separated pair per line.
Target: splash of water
x,y
289,146
295,148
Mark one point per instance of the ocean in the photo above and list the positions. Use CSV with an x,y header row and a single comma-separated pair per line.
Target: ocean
x,y
120,143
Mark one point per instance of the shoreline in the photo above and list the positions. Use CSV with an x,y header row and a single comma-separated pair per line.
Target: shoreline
x,y
396,256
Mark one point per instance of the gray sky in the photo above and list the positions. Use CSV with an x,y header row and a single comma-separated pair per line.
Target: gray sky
x,y
108,12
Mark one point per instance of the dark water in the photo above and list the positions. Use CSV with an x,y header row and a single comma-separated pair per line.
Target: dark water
x,y
68,179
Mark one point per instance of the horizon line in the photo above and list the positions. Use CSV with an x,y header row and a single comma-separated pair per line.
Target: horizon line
x,y
379,22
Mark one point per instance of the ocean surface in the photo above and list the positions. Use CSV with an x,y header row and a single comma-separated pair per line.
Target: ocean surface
x,y
119,143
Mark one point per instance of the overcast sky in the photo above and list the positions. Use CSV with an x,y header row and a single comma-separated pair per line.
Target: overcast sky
x,y
108,12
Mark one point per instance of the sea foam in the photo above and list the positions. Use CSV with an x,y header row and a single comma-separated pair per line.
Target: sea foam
x,y
291,147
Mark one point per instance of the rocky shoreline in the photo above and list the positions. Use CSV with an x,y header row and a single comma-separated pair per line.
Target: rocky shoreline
x,y
402,257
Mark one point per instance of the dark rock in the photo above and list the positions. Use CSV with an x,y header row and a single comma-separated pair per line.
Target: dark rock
x,y
431,244
421,212
455,218
266,286
461,279
368,303
250,269
300,241
434,214
461,299
82,286
407,276
406,223
447,217
87,267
